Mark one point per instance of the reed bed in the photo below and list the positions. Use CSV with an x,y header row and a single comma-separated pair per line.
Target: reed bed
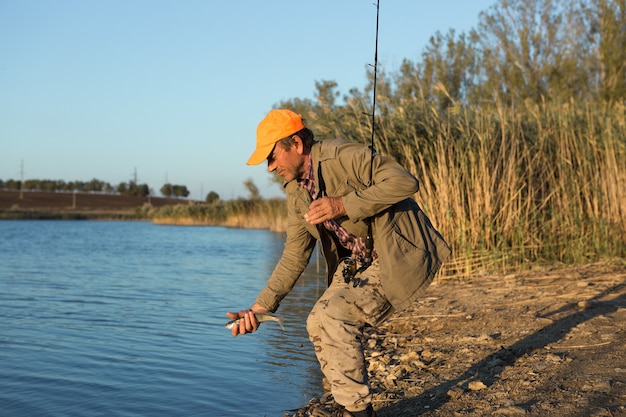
x,y
509,186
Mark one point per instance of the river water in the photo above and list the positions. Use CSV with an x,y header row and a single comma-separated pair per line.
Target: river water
x,y
127,319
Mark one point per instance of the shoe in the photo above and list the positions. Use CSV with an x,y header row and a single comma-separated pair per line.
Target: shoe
x,y
368,412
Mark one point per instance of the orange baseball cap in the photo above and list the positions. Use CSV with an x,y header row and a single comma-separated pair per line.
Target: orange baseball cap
x,y
277,125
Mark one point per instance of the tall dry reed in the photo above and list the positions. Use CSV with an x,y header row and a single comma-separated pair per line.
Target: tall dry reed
x,y
508,186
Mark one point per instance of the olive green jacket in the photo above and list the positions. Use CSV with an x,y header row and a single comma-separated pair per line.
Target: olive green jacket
x,y
409,249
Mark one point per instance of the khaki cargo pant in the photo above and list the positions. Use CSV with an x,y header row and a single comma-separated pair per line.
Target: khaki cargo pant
x,y
335,327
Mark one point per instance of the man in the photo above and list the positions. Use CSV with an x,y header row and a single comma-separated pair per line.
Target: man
x,y
339,193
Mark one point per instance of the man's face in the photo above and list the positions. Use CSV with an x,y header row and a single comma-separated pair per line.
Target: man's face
x,y
289,163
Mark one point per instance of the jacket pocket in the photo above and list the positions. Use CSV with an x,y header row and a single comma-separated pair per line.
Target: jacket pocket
x,y
405,237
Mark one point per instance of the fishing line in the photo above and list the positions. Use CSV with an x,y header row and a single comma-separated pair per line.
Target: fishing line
x,y
373,115
350,269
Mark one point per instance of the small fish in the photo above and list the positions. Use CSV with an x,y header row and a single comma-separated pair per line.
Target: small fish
x,y
261,318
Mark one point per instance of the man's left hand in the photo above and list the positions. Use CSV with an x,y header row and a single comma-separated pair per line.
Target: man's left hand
x,y
325,208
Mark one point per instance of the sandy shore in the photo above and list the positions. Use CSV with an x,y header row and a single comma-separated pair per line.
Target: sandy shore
x,y
545,342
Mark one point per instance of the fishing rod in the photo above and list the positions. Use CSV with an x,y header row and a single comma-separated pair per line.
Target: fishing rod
x,y
374,91
350,270
369,240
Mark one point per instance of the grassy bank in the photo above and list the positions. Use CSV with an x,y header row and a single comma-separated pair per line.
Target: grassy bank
x,y
252,214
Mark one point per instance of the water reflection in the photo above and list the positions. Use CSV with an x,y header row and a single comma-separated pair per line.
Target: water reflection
x,y
292,348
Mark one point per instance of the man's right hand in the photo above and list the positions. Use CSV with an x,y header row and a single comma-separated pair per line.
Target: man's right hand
x,y
247,320
325,208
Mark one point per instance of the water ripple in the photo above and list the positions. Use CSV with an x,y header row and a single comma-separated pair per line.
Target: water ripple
x,y
126,319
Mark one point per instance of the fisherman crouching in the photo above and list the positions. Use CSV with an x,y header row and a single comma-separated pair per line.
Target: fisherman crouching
x,y
346,196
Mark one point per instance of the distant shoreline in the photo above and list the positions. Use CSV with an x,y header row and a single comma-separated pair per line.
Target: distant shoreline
x,y
242,214
44,205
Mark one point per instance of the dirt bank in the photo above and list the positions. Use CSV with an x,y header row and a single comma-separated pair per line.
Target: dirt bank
x,y
547,342
42,200
60,205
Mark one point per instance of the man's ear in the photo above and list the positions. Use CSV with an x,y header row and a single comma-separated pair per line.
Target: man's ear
x,y
298,144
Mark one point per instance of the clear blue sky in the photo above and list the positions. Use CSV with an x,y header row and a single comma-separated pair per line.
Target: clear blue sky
x,y
174,90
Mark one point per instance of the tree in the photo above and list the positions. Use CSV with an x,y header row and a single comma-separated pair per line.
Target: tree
x,y
212,197
143,190
166,190
520,40
172,190
607,23
252,189
531,49
132,188
448,69
180,191
94,186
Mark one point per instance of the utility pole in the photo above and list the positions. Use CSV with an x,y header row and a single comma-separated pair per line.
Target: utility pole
x,y
22,180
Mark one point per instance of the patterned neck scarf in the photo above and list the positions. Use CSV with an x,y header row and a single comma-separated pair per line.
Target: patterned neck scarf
x,y
354,244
